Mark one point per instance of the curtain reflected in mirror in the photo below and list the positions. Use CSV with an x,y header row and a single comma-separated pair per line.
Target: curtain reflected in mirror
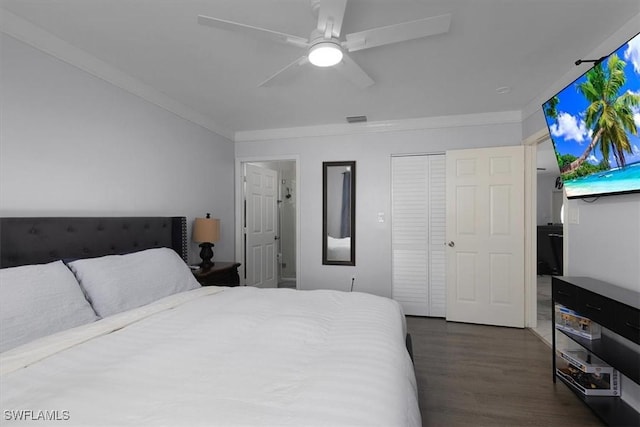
x,y
339,203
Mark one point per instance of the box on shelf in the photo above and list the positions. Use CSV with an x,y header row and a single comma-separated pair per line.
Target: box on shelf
x,y
570,321
587,373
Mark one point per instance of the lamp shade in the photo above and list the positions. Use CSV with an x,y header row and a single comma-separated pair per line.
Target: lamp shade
x,y
206,230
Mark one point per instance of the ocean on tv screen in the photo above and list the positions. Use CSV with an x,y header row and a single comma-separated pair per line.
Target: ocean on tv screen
x,y
620,180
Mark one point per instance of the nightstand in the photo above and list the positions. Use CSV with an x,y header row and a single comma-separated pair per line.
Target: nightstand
x,y
220,274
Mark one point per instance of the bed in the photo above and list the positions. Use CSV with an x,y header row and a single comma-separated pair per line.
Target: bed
x,y
152,347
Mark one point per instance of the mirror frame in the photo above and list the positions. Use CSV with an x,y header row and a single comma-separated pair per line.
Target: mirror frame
x,y
325,170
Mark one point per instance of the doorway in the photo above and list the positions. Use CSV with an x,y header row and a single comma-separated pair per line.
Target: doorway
x,y
547,213
267,236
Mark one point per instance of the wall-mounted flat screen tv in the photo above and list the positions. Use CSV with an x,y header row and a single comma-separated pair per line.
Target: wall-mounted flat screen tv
x,y
594,124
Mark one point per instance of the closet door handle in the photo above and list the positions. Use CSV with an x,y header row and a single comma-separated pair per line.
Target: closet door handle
x,y
451,244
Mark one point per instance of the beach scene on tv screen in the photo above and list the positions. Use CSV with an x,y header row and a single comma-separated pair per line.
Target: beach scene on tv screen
x,y
594,126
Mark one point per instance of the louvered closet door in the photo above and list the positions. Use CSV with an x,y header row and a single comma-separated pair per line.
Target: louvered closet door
x,y
418,210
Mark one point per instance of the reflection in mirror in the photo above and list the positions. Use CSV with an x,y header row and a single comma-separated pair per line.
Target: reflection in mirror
x,y
339,209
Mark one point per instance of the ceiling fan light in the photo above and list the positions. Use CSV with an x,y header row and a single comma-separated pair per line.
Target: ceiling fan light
x,y
325,54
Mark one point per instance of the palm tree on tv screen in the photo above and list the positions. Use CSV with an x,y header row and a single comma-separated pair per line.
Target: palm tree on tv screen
x,y
609,115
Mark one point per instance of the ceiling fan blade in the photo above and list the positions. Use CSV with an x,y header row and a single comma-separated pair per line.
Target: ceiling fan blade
x,y
398,33
253,31
331,12
286,70
353,72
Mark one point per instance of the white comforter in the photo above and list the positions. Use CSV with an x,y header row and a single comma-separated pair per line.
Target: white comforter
x,y
222,356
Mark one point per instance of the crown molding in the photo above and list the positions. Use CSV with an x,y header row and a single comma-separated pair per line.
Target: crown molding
x,y
537,138
35,36
504,117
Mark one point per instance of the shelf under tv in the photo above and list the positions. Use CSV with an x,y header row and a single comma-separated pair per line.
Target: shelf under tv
x,y
617,310
611,409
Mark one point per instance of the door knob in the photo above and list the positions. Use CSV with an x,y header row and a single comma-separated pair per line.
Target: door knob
x,y
451,244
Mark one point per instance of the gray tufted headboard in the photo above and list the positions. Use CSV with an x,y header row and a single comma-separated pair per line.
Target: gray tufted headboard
x,y
39,240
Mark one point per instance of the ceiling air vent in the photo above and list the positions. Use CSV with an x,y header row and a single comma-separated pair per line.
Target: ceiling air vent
x,y
356,119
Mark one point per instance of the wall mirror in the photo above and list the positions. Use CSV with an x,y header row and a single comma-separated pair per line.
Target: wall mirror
x,y
339,213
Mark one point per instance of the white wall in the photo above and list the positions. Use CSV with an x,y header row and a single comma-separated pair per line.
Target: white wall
x,y
72,144
605,243
372,152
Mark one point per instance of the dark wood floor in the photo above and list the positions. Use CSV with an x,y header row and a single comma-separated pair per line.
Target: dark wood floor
x,y
472,375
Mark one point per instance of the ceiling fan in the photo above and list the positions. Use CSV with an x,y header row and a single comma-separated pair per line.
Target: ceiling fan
x,y
324,46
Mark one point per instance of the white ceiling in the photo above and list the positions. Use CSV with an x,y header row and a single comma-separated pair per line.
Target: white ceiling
x,y
526,45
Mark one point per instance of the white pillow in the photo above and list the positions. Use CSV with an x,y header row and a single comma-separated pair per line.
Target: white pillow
x,y
38,300
116,283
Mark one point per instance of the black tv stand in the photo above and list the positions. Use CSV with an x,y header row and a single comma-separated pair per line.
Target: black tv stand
x,y
618,310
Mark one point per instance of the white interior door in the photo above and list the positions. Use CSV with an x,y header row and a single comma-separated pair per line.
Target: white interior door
x,y
485,235
260,226
418,234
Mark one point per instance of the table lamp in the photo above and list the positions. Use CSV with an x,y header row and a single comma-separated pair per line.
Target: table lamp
x,y
206,231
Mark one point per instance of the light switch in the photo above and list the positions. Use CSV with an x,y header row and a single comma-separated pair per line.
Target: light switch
x,y
380,216
574,215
